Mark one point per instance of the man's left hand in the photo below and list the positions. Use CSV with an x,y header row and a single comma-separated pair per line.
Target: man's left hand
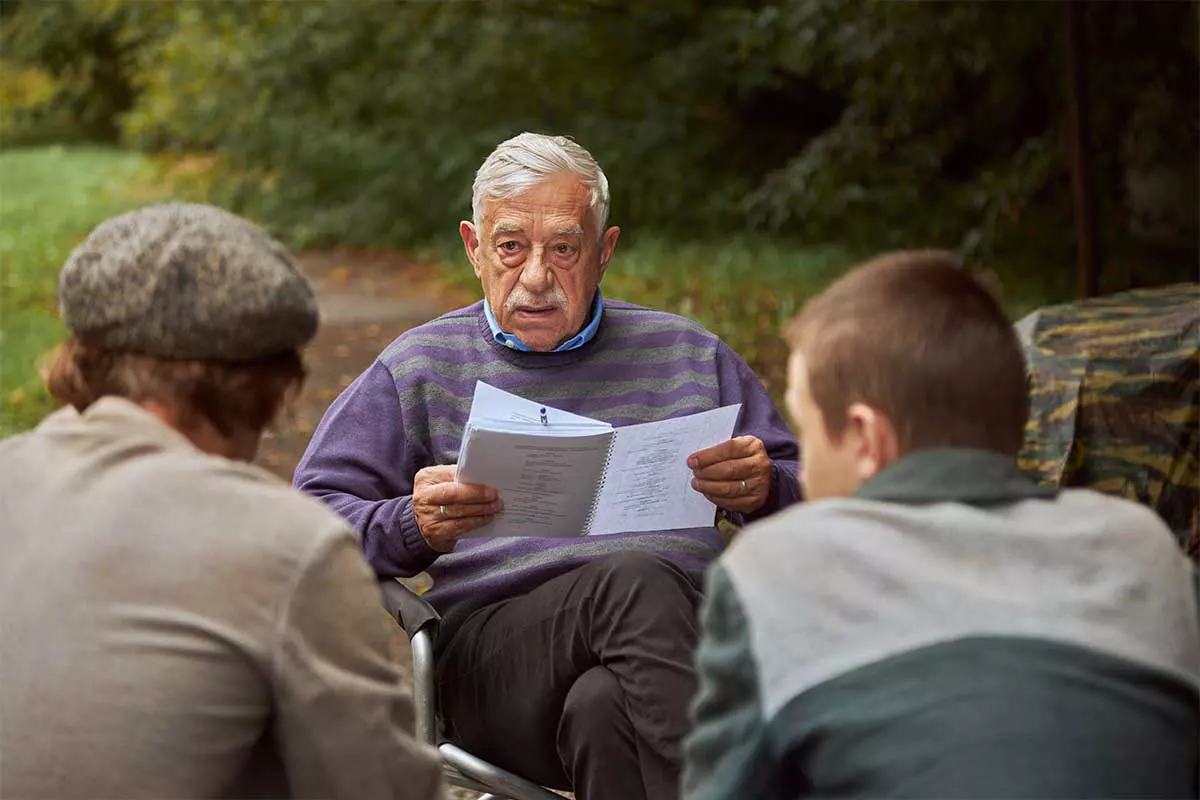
x,y
735,475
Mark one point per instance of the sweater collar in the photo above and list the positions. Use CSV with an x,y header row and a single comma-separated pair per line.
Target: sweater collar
x,y
953,475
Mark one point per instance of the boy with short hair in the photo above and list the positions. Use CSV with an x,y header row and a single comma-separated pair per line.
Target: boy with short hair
x,y
933,623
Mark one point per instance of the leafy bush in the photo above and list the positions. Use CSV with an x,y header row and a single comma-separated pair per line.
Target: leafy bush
x,y
879,124
67,71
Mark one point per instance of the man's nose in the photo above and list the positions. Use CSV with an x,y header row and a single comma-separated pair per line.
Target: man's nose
x,y
536,275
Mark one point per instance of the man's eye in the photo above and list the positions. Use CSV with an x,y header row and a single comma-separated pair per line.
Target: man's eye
x,y
564,249
510,246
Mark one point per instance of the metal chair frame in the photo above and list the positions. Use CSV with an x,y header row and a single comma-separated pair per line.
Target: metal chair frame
x,y
420,621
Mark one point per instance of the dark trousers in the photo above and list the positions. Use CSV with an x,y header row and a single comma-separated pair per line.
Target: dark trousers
x,y
582,683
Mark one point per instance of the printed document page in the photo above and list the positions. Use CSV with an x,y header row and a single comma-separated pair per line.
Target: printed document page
x,y
648,485
490,403
546,480
549,467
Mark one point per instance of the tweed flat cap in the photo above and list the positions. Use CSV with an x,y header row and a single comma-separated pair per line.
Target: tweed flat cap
x,y
186,281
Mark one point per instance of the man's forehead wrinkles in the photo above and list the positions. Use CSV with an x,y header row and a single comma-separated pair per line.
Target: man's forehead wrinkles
x,y
539,225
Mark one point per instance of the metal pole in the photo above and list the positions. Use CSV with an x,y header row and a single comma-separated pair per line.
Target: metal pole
x,y
1087,261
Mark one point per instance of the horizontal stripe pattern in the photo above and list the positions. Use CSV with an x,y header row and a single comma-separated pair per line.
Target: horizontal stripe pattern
x,y
641,366
444,355
646,366
437,386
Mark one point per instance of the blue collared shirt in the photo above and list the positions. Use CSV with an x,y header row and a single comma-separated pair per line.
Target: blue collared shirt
x,y
578,340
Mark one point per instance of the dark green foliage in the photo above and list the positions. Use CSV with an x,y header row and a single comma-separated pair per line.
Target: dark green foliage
x,y
85,52
870,123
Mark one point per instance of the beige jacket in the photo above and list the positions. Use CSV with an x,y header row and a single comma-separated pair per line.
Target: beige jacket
x,y
179,625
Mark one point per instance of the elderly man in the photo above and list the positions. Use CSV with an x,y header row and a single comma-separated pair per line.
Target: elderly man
x,y
174,621
936,624
568,660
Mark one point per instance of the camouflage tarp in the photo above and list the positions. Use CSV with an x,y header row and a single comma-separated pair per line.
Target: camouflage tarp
x,y
1115,383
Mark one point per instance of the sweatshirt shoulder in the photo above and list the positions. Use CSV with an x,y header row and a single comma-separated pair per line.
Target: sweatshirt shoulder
x,y
804,531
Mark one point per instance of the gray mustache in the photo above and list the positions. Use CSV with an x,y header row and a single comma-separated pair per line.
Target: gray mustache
x,y
519,297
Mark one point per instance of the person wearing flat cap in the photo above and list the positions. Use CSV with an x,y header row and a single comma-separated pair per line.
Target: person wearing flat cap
x,y
175,622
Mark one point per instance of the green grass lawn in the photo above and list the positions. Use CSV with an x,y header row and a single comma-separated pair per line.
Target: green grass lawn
x,y
50,198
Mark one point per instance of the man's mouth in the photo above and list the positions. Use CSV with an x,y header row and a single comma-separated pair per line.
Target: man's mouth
x,y
536,311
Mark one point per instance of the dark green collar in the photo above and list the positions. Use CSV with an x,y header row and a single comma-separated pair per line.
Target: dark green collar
x,y
953,475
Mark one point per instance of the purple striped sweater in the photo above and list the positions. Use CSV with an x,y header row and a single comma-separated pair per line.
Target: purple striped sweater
x,y
407,411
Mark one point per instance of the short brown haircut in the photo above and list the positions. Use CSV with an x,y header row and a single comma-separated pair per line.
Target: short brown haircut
x,y
915,336
231,395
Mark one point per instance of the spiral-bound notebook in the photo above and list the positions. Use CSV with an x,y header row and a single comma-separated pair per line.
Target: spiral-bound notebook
x,y
579,478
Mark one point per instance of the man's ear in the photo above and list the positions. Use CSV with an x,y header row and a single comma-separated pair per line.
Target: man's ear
x,y
608,243
470,239
877,442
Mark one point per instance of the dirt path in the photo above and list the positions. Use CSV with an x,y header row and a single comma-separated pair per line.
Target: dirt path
x,y
366,300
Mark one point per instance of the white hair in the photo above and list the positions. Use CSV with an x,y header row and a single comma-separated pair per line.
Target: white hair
x,y
525,160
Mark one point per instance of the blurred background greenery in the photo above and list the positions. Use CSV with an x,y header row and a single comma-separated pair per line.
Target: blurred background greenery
x,y
755,149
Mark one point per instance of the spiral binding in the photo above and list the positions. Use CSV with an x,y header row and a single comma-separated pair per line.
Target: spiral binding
x,y
587,525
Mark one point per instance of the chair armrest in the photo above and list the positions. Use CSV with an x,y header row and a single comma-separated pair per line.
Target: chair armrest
x,y
420,621
411,612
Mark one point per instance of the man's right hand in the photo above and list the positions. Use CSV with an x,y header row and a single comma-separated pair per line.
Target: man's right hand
x,y
446,509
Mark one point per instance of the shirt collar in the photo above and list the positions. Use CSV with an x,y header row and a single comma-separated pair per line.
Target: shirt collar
x,y
578,340
953,475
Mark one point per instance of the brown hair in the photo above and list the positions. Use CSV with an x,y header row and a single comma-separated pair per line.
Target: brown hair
x,y
915,336
232,396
